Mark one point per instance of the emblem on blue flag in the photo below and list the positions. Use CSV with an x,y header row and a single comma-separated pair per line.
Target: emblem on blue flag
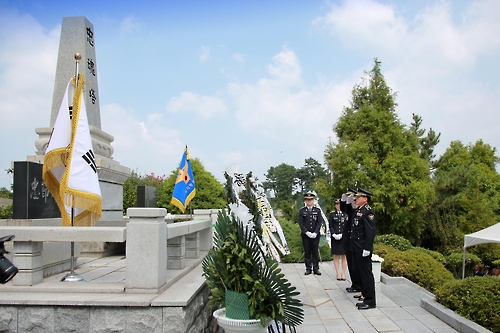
x,y
185,188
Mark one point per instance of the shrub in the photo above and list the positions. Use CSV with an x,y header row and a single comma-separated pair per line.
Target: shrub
x,y
6,212
397,242
436,255
386,252
496,263
475,298
454,263
418,267
294,240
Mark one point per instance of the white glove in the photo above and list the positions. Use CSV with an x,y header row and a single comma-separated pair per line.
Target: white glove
x,y
343,197
313,235
336,237
350,198
339,237
309,234
366,253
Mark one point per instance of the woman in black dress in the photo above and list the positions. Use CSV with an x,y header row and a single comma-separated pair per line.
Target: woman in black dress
x,y
336,222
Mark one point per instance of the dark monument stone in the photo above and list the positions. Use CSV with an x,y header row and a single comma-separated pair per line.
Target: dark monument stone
x,y
32,199
146,196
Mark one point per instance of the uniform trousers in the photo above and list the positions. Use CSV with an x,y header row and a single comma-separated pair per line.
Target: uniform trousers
x,y
311,249
351,266
364,266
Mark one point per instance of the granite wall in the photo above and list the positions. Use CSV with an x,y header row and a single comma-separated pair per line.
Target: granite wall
x,y
196,317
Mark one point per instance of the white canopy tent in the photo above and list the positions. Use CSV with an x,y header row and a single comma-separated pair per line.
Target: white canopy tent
x,y
487,235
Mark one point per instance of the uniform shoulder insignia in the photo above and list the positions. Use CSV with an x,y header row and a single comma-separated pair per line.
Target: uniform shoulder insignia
x,y
371,216
368,207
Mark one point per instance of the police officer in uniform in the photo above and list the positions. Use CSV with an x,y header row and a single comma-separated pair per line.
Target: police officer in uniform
x,y
363,231
337,221
348,206
310,221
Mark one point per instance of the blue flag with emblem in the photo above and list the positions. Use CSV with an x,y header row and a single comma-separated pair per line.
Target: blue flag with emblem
x,y
185,188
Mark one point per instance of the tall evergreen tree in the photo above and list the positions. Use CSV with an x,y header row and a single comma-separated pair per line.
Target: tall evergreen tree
x,y
467,197
376,152
426,143
281,180
308,175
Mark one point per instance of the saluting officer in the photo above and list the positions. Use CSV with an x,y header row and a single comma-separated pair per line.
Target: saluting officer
x,y
348,206
310,221
363,231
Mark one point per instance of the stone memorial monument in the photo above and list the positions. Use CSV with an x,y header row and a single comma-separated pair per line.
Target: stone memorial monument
x,y
77,36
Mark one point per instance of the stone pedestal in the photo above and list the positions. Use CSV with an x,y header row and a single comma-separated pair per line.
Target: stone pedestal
x,y
193,245
28,258
176,252
146,248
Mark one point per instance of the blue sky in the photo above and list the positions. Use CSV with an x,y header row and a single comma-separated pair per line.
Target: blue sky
x,y
251,84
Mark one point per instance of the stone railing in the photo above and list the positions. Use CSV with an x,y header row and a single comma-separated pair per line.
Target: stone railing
x,y
153,245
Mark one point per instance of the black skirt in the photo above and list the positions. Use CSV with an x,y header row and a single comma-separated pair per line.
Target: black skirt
x,y
338,246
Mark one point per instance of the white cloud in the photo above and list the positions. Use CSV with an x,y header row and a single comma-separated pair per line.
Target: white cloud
x,y
129,25
145,143
204,54
282,108
480,26
28,56
206,106
430,59
286,68
362,23
239,57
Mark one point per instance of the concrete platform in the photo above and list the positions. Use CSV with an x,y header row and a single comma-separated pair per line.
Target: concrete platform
x,y
401,305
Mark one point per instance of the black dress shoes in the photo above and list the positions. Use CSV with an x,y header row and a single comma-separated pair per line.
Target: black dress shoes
x,y
317,273
352,290
307,273
364,306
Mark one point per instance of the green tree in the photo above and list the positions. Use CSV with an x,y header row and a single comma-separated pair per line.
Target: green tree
x,y
426,143
281,180
5,193
376,152
130,187
309,174
209,191
468,190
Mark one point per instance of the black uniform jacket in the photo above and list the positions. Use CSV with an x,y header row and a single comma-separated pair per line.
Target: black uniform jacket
x,y
337,222
349,212
310,221
363,229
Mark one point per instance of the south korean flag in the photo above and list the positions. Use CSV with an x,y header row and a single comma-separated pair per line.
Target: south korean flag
x,y
81,181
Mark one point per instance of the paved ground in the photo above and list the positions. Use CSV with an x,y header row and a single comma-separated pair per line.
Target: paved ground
x,y
327,305
329,308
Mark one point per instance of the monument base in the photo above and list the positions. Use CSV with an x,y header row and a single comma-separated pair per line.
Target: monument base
x,y
112,175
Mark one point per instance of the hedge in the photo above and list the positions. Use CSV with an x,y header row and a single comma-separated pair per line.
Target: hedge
x,y
414,265
475,298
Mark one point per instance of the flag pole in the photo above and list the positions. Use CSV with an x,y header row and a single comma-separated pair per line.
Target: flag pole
x,y
72,277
